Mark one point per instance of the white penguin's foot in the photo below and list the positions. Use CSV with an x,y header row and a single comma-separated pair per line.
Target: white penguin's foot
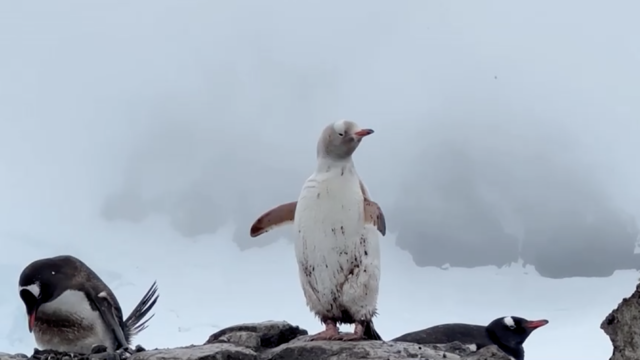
x,y
349,337
329,333
357,334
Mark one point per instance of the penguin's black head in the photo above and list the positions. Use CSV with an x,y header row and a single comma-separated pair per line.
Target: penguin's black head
x,y
43,281
510,332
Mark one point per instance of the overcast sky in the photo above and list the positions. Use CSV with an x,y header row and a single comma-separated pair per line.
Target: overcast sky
x,y
529,102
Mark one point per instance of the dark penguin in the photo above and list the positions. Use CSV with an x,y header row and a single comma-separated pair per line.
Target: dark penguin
x,y
70,309
508,333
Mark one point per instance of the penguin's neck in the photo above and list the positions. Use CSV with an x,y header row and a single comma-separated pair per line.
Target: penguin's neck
x,y
515,350
329,166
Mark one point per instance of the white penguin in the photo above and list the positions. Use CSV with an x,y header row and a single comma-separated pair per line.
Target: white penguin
x,y
336,237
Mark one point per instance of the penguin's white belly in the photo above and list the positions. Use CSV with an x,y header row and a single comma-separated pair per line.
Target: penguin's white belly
x,y
338,255
84,329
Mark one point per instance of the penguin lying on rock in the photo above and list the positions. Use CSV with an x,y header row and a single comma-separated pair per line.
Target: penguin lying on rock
x,y
71,310
508,333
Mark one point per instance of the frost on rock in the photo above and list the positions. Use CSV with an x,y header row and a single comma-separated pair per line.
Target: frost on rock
x,y
279,340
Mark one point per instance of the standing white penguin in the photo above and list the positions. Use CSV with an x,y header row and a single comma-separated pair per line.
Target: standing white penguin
x,y
336,237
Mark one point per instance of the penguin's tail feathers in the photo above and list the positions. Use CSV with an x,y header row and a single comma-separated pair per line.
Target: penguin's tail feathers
x,y
134,322
370,331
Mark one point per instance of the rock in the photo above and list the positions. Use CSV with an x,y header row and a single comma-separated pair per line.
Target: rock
x,y
6,356
456,348
621,326
218,351
247,339
371,350
271,333
488,353
280,340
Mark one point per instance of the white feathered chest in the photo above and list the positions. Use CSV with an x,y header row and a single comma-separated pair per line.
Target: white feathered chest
x,y
338,254
82,326
330,209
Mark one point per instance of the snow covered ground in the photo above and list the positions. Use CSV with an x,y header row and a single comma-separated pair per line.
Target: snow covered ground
x,y
207,283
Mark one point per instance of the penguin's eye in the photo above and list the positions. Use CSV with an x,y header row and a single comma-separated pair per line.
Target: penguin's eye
x,y
512,327
341,134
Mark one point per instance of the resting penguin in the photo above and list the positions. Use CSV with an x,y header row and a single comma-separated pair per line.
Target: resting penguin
x,y
337,228
70,309
508,333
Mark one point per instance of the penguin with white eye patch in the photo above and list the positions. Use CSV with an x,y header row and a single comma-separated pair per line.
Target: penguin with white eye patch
x,y
508,333
70,309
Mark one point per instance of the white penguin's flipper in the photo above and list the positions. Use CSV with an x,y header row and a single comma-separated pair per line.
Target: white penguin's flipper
x,y
276,217
372,211
373,215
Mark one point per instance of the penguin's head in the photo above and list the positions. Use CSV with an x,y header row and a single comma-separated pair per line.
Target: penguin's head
x,y
340,139
41,282
513,329
510,332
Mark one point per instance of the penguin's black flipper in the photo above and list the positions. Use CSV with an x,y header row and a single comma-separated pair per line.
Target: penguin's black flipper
x,y
111,315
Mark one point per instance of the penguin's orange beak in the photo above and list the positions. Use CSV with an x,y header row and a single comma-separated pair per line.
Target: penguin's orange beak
x,y
363,132
32,320
534,324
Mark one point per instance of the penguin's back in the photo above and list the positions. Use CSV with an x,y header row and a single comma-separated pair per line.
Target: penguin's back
x,y
467,334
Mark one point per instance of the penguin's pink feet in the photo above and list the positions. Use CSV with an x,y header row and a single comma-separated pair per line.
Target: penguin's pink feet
x,y
329,333
357,334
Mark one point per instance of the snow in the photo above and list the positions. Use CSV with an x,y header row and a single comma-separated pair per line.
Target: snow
x,y
208,283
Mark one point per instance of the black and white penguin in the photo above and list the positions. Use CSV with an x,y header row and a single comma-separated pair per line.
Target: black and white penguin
x,y
70,309
508,333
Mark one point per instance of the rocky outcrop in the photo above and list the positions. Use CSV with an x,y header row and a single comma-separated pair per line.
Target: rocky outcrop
x,y
279,340
621,325
488,353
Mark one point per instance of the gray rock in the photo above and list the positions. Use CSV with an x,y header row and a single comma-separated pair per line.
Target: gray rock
x,y
272,333
488,353
455,347
621,326
371,350
6,356
246,339
219,351
279,340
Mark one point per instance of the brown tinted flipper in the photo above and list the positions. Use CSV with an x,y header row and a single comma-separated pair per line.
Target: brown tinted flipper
x,y
373,215
276,217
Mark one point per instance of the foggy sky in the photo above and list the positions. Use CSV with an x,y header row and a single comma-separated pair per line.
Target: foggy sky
x,y
158,104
